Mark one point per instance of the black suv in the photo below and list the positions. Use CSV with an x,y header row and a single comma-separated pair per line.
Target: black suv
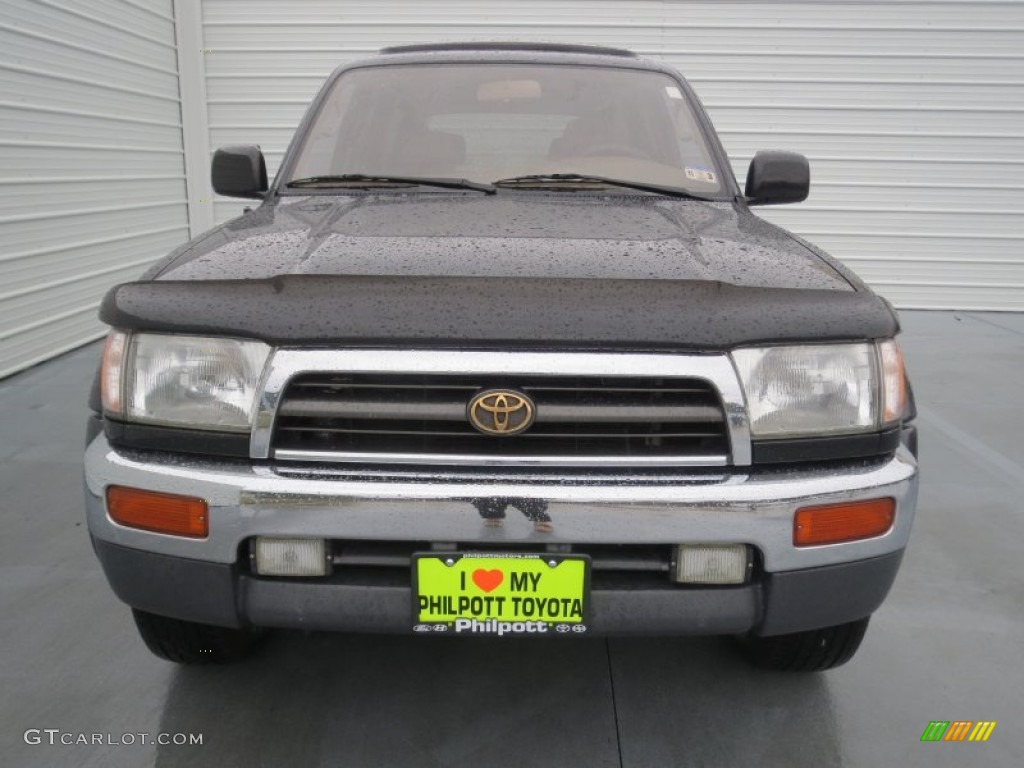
x,y
502,351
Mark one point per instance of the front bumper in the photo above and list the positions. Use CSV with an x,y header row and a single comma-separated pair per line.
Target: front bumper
x,y
205,580
214,593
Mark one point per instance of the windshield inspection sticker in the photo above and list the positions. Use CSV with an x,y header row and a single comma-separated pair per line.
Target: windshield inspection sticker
x,y
701,174
673,92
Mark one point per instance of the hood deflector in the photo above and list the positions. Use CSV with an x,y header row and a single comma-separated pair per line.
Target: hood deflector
x,y
357,310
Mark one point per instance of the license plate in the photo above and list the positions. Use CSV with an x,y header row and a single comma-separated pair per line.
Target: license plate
x,y
500,594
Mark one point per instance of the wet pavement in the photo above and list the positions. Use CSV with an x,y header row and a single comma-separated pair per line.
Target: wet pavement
x,y
947,644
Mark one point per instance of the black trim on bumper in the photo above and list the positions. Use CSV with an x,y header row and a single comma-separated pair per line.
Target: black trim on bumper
x,y
220,594
197,441
823,597
614,612
193,590
825,448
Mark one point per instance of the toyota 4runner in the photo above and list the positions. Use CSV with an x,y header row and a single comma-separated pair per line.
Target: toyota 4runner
x,y
502,351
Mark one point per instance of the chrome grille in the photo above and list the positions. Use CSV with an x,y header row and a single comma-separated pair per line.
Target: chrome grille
x,y
362,417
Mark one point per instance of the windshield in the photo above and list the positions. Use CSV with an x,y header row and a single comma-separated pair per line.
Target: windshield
x,y
490,122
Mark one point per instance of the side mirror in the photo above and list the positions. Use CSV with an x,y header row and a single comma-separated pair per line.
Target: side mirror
x,y
239,171
778,177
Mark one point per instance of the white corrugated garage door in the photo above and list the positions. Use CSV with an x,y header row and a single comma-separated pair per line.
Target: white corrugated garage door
x,y
92,184
911,112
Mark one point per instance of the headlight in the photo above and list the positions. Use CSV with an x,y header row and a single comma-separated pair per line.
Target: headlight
x,y
821,389
183,381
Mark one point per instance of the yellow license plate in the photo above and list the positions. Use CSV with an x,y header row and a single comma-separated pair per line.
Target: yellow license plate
x,y
500,594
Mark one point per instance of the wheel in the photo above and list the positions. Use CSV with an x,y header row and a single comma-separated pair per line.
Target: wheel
x,y
812,651
187,642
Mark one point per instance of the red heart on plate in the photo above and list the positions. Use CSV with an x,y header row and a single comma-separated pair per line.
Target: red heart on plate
x,y
488,581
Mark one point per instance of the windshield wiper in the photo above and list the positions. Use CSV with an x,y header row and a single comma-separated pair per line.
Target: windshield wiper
x,y
365,179
542,179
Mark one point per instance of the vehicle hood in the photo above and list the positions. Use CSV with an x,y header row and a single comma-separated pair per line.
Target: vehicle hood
x,y
509,235
509,270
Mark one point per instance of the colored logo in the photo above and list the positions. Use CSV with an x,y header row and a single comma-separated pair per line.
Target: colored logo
x,y
501,412
488,581
958,730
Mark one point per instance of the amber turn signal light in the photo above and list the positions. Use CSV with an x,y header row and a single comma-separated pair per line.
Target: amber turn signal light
x,y
836,523
159,512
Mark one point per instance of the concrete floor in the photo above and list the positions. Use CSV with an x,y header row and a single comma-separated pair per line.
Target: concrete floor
x,y
947,645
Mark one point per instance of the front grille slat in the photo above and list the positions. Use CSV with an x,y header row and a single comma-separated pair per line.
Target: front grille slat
x,y
576,417
372,409
533,434
455,411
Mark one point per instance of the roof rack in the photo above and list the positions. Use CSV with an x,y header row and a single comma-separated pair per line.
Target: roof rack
x,y
596,50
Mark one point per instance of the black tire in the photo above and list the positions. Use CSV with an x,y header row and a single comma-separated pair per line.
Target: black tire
x,y
812,651
186,642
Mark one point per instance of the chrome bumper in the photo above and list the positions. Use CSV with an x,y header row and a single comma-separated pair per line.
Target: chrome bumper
x,y
742,505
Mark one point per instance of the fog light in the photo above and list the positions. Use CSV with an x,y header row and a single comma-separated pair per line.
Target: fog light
x,y
712,563
158,512
291,557
836,523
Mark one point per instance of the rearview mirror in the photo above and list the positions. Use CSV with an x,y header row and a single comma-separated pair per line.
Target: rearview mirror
x,y
777,177
239,171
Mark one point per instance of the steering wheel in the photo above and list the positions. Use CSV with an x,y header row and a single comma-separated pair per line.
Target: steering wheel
x,y
621,150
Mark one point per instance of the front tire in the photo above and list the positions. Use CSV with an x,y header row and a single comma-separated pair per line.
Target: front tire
x,y
812,651
186,642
